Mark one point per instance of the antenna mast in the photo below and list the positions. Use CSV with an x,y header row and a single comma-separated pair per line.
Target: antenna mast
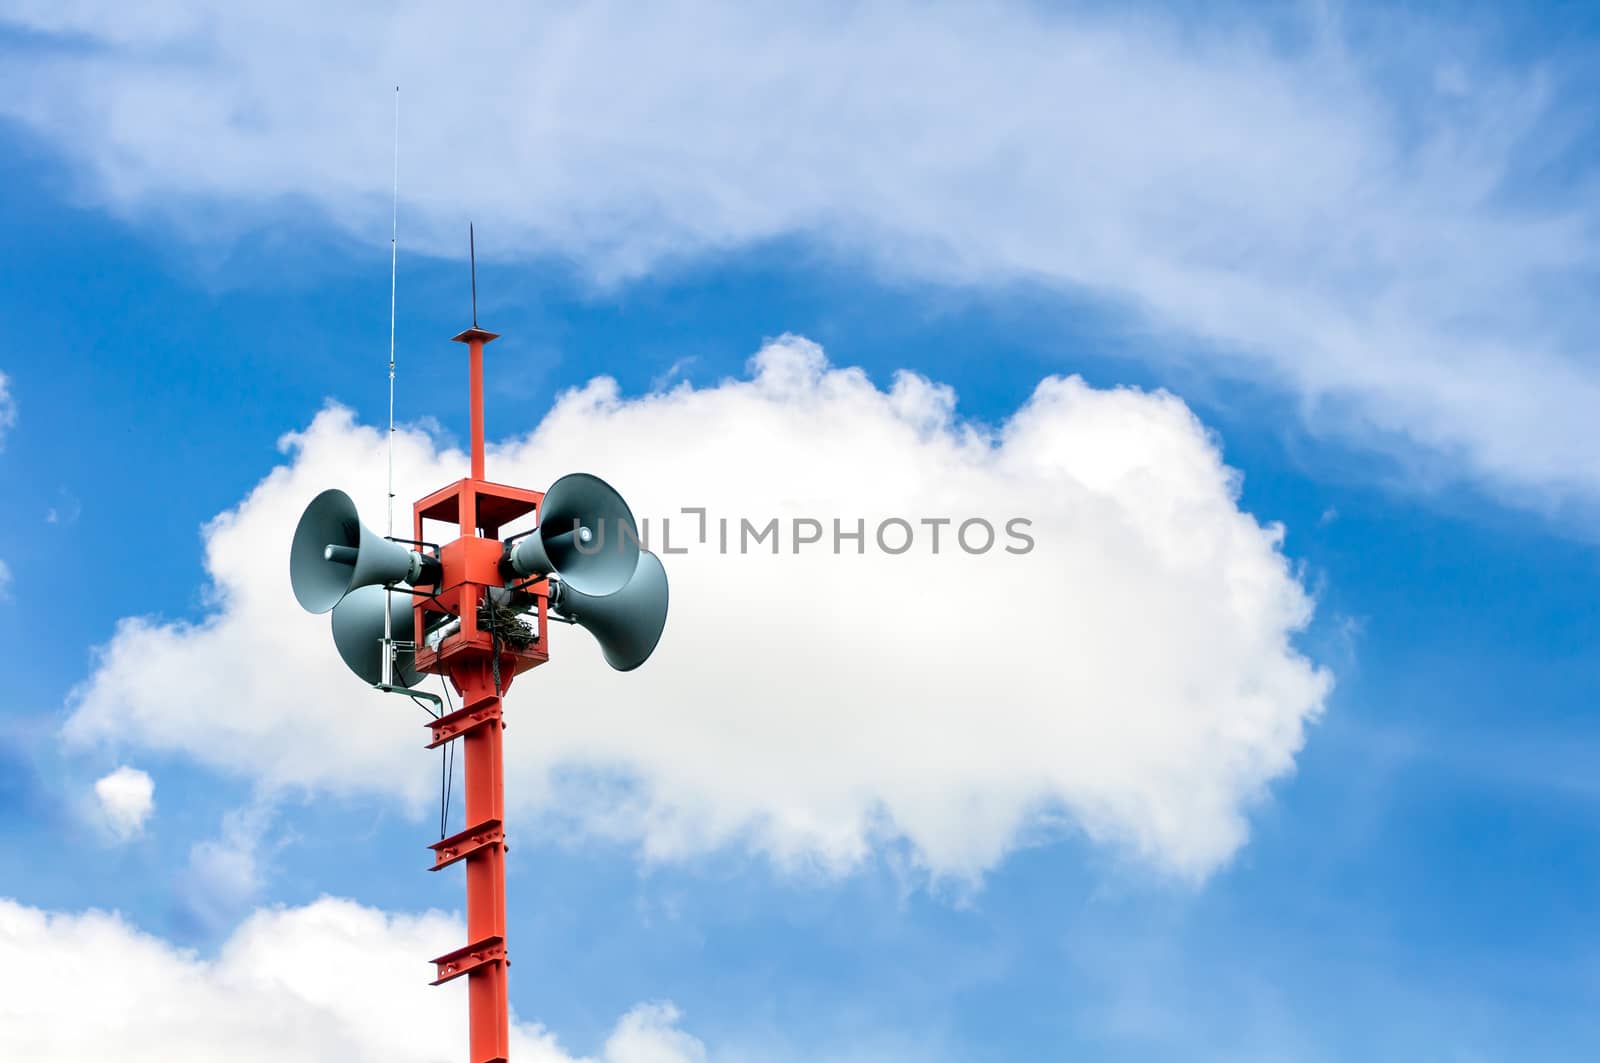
x,y
394,270
394,263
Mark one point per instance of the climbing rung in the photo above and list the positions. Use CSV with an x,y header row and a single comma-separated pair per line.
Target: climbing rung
x,y
469,958
455,724
447,851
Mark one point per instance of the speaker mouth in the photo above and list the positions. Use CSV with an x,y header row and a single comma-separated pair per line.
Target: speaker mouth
x,y
586,537
358,634
598,563
333,552
319,581
627,624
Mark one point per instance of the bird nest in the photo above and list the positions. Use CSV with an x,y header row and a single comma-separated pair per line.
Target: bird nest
x,y
506,623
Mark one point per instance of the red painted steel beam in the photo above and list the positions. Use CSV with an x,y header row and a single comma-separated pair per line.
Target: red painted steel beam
x,y
475,338
453,725
470,566
459,846
468,958
483,786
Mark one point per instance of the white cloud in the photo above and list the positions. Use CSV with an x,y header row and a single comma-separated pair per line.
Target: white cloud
x,y
1342,219
5,581
1134,673
330,981
225,874
8,409
66,511
126,797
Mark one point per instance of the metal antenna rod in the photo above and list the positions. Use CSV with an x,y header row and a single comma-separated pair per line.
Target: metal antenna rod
x,y
394,262
394,270
472,255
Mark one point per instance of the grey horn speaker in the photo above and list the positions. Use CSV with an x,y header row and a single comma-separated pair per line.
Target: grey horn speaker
x,y
358,634
586,537
333,553
627,623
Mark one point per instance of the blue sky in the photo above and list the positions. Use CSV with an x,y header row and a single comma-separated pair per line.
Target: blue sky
x,y
1416,883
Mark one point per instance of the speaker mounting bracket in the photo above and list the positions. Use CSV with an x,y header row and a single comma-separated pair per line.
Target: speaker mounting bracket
x,y
410,693
470,569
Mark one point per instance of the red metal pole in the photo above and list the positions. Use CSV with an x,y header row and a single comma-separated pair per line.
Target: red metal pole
x,y
478,726
484,785
475,338
475,370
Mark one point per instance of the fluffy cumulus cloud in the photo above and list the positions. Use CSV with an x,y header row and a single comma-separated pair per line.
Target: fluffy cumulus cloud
x,y
1333,204
331,981
1132,676
125,798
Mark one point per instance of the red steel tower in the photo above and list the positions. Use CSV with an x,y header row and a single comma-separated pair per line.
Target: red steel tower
x,y
462,593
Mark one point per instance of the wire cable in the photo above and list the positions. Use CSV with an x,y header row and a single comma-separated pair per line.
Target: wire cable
x,y
444,800
447,767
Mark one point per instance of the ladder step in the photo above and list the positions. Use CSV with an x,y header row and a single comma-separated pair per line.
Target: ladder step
x,y
459,846
455,724
469,958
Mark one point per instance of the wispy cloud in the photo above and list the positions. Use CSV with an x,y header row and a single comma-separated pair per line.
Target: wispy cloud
x,y
1398,232
676,371
66,511
227,873
8,409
